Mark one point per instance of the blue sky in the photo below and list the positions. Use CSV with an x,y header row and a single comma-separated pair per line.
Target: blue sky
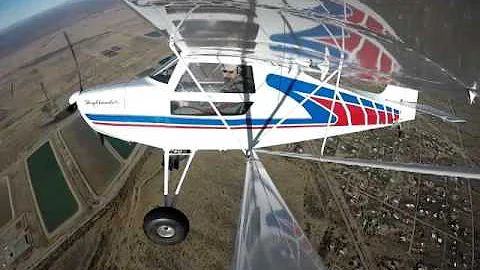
x,y
13,11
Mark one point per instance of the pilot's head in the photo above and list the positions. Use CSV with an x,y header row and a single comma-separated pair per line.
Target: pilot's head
x,y
230,72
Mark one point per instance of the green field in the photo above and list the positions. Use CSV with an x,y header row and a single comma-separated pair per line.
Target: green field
x,y
123,148
53,195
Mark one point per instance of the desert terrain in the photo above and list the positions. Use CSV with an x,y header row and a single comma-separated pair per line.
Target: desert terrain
x,y
355,218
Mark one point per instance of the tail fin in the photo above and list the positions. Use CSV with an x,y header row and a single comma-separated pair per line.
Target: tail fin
x,y
405,97
400,94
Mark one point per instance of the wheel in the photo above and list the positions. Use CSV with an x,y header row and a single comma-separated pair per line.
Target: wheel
x,y
166,225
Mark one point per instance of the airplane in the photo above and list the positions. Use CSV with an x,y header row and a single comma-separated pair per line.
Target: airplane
x,y
233,84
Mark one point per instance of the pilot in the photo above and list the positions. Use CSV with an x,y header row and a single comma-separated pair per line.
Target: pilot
x,y
233,82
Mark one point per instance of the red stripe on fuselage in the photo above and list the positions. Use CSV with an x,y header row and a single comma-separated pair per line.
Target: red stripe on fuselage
x,y
395,117
381,117
338,110
356,114
371,116
390,117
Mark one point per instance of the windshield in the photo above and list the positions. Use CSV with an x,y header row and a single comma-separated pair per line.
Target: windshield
x,y
165,60
165,69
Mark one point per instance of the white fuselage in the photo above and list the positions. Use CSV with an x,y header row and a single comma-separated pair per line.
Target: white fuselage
x,y
141,110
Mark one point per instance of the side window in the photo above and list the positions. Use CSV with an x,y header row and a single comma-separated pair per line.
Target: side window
x,y
203,108
221,78
186,84
164,75
237,79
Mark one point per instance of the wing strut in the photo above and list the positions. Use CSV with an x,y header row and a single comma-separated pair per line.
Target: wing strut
x,y
268,236
463,172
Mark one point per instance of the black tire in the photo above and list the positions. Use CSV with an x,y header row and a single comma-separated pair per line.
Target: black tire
x,y
166,226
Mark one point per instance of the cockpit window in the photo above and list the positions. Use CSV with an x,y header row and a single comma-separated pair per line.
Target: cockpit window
x,y
165,71
166,59
186,84
203,108
218,77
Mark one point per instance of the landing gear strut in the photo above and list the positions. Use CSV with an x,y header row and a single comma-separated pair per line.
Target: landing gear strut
x,y
167,225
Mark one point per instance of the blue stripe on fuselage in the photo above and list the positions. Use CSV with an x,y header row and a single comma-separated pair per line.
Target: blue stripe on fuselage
x,y
379,107
147,119
349,98
367,103
290,87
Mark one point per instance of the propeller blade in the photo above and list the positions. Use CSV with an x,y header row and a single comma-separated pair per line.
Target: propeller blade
x,y
75,59
463,172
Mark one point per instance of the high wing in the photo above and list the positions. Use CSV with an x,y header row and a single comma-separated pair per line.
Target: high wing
x,y
304,33
463,172
298,32
269,237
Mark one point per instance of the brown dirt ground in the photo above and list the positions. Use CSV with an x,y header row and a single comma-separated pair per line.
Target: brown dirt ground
x,y
5,211
95,161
